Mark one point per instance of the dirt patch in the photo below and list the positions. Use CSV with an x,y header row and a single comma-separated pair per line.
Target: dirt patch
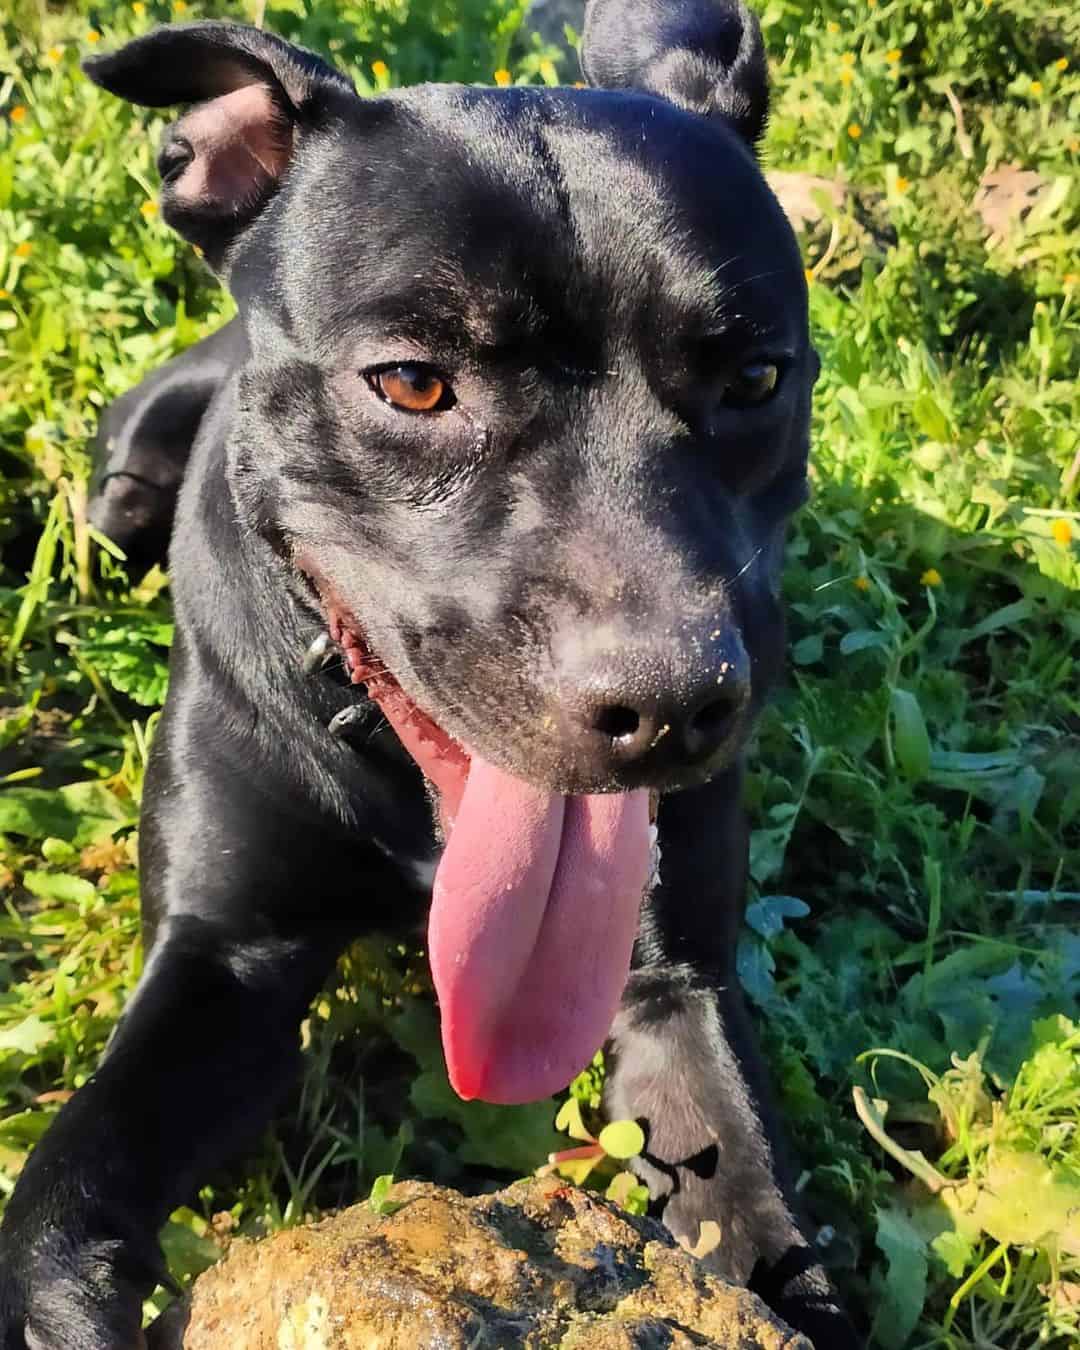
x,y
541,1266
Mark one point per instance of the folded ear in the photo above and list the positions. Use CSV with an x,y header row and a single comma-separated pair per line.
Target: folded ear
x,y
254,94
704,55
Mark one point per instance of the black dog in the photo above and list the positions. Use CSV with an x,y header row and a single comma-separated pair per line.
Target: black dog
x,y
518,412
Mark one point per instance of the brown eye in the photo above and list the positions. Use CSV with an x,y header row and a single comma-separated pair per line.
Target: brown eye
x,y
412,387
753,383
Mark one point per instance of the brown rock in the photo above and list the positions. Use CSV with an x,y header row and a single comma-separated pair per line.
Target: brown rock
x,y
539,1266
802,196
1005,197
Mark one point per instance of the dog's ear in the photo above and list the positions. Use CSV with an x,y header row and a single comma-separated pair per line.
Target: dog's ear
x,y
254,95
704,55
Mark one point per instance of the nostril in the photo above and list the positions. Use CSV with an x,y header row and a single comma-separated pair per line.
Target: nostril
x,y
713,718
617,721
710,725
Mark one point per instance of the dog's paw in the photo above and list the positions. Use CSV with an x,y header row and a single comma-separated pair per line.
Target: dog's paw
x,y
56,1294
796,1287
798,1290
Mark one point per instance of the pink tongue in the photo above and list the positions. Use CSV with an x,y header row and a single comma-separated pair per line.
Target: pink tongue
x,y
533,917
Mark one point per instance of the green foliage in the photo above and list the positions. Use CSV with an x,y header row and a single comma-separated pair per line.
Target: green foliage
x,y
989,1243
915,856
903,1286
622,1139
599,1159
388,42
378,1199
508,1138
131,657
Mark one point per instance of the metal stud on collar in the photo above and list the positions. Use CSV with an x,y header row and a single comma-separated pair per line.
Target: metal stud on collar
x,y
319,655
345,721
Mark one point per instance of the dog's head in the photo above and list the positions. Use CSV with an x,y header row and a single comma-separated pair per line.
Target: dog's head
x,y
529,391
531,374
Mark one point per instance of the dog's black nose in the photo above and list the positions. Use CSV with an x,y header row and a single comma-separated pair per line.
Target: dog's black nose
x,y
635,727
659,707
641,725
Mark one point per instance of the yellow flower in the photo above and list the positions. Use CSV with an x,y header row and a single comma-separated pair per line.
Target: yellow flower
x,y
931,577
1071,278
893,55
502,78
848,59
580,84
1073,146
548,73
24,249
847,75
1062,63
902,184
179,6
832,26
149,209
1036,87
380,69
808,273
862,583
4,295
138,7
54,54
93,35
871,4
18,113
1062,532
854,130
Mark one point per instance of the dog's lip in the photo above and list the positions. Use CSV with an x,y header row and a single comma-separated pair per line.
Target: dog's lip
x,y
444,756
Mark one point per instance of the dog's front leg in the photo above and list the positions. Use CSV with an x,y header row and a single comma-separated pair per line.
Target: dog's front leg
x,y
683,1061
202,1054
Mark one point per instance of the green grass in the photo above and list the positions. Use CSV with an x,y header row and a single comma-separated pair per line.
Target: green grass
x,y
916,796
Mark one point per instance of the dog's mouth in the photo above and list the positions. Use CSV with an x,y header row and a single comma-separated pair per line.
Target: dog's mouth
x,y
535,901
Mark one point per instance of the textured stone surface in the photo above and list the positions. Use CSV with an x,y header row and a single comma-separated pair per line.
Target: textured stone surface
x,y
540,1265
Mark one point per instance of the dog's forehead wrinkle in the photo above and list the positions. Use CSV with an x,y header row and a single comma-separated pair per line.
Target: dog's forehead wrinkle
x,y
490,317
565,201
654,231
